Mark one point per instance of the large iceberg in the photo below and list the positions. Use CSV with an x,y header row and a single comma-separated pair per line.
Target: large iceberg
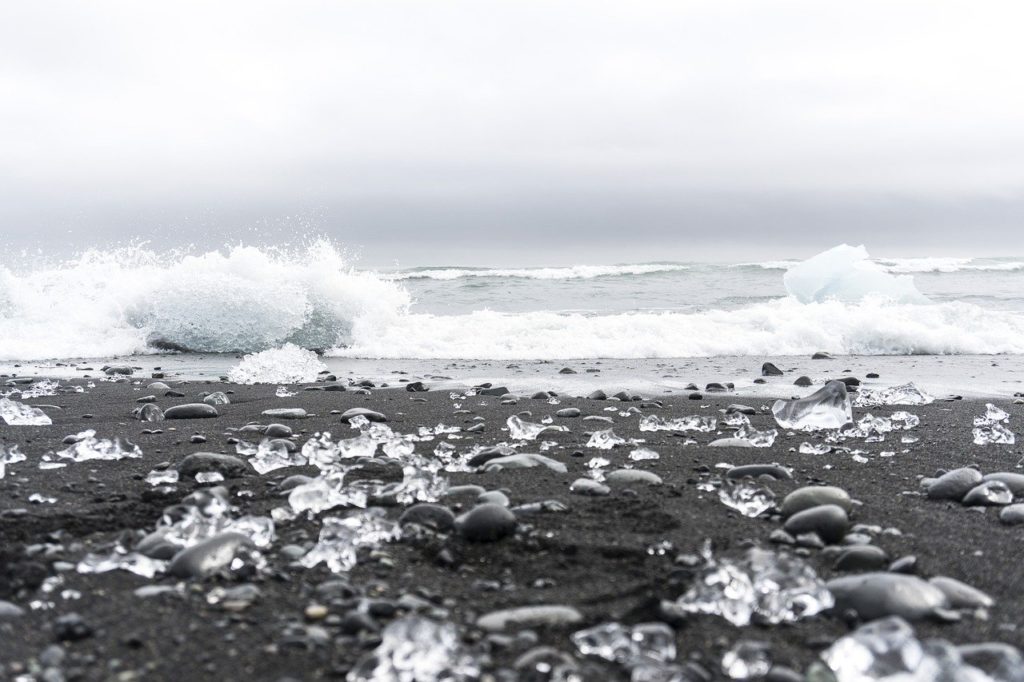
x,y
845,273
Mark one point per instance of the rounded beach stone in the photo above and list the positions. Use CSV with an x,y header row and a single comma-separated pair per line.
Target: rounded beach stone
x,y
191,411
529,617
988,494
861,558
961,595
487,523
829,521
953,485
568,412
588,486
430,516
371,415
1012,515
227,465
815,496
625,477
877,595
208,556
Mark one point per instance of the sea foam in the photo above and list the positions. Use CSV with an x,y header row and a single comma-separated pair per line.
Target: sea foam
x,y
253,299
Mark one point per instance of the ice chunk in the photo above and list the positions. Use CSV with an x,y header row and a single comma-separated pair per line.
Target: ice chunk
x,y
827,408
341,538
990,429
773,587
653,422
641,454
749,499
9,455
415,649
283,392
209,477
845,273
815,448
520,429
756,438
888,649
20,414
288,364
88,447
747,660
121,560
40,389
162,477
270,455
904,394
644,646
604,440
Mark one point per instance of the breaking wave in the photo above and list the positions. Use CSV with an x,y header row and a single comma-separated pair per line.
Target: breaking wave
x,y
915,265
131,301
573,272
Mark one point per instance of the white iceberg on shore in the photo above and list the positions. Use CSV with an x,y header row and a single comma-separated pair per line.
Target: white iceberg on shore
x,y
845,273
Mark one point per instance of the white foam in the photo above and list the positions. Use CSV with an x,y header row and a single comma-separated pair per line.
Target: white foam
x,y
288,364
845,273
873,326
574,272
107,303
924,265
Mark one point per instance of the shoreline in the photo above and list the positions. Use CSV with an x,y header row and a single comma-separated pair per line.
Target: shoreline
x,y
603,556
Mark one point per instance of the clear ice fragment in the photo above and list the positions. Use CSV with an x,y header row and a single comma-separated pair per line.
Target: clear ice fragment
x,y
749,499
341,538
747,660
88,447
773,587
629,646
9,455
904,394
604,440
653,422
520,429
641,454
209,477
758,439
19,414
283,392
416,649
990,429
815,448
270,455
827,408
40,389
162,476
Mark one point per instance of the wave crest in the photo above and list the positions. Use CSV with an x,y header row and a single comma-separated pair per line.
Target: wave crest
x,y
573,272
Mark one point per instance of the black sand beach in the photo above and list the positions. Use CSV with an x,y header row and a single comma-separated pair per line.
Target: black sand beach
x,y
596,555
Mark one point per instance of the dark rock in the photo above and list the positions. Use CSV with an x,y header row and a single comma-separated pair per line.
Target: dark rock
x,y
829,521
822,355
803,381
416,387
71,627
207,557
877,595
770,370
227,465
191,411
775,471
430,516
362,412
953,485
861,558
815,496
487,523
568,412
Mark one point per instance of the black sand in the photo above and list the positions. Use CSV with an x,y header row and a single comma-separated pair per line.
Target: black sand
x,y
594,557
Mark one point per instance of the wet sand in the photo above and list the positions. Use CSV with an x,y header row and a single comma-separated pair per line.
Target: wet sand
x,y
596,556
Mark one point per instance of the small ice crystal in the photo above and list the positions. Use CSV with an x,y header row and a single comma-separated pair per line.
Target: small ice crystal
x,y
888,649
758,439
604,440
20,414
288,364
629,646
283,392
773,587
749,499
815,448
524,430
904,420
747,660
990,429
640,454
827,408
270,455
209,477
162,476
653,422
416,649
120,560
217,398
904,394
40,389
341,538
87,447
9,455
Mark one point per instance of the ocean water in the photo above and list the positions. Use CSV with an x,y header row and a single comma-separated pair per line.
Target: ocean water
x,y
132,301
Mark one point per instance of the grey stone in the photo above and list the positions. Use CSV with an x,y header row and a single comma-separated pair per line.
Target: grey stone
x,y
208,556
876,595
626,477
953,485
529,617
829,521
227,465
815,496
191,411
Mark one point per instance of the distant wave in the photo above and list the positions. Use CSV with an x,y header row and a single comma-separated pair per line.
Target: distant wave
x,y
573,272
913,265
780,327
129,301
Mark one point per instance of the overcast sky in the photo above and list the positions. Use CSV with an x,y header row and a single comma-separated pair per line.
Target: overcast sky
x,y
519,130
